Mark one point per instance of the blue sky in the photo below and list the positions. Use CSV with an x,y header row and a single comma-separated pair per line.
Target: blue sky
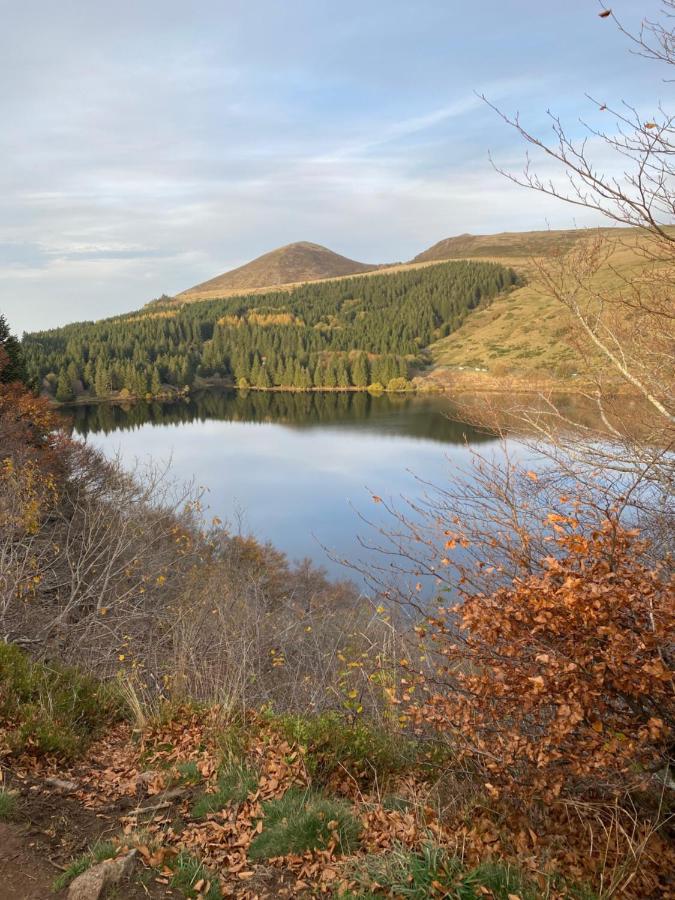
x,y
149,145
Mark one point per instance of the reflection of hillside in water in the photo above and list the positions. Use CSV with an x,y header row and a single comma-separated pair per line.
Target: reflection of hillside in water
x,y
426,418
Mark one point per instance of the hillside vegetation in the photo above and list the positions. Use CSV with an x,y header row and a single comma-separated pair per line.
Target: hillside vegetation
x,y
526,332
349,333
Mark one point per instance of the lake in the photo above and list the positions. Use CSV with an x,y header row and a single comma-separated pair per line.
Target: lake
x,y
297,469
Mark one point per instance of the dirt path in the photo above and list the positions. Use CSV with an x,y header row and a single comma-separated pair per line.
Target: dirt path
x,y
49,832
24,872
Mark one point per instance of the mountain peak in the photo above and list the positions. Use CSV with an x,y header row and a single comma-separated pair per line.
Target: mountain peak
x,y
292,264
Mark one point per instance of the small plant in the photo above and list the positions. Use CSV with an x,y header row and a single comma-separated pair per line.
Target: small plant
x,y
7,805
303,820
193,879
433,872
97,854
188,772
234,785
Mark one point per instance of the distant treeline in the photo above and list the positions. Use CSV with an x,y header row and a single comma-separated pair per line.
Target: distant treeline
x,y
338,334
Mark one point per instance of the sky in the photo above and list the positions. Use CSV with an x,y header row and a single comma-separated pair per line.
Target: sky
x,y
147,145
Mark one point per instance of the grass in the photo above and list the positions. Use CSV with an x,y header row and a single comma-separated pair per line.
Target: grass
x,y
50,709
188,772
367,752
433,872
193,879
97,854
527,330
7,805
234,785
305,820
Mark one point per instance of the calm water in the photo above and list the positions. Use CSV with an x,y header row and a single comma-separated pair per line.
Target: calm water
x,y
294,469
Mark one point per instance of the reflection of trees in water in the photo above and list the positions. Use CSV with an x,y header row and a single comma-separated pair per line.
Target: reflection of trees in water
x,y
404,415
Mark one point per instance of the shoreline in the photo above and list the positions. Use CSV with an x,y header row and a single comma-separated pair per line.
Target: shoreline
x,y
429,386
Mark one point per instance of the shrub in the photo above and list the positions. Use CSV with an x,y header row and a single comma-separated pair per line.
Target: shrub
x,y
304,820
365,750
398,384
563,675
49,708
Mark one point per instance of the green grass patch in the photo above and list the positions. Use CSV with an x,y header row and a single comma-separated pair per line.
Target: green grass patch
x,y
367,752
7,805
51,709
188,772
188,872
97,854
234,785
432,872
305,820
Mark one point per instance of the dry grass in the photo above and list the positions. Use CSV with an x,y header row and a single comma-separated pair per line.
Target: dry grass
x,y
525,332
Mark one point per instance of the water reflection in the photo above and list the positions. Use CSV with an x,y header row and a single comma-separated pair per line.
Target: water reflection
x,y
297,468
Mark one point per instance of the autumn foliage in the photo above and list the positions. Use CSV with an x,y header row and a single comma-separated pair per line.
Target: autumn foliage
x,y
562,679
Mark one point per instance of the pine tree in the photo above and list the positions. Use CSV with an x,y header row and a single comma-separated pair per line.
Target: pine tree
x,y
12,364
64,387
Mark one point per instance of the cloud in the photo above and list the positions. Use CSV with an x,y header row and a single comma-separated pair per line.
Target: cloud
x,y
145,149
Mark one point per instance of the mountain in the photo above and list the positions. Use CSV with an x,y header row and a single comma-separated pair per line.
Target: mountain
x,y
506,244
292,264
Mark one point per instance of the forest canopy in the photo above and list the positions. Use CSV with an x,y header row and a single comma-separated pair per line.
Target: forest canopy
x,y
346,333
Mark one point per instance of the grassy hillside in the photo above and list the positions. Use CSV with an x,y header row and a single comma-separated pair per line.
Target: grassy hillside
x,y
521,244
526,332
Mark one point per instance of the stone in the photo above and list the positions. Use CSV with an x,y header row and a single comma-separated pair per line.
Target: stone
x,y
91,884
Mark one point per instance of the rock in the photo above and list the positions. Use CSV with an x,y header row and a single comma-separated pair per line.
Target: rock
x,y
68,786
91,884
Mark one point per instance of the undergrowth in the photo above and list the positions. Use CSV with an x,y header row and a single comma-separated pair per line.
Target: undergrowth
x,y
50,709
193,879
367,752
304,820
235,783
433,872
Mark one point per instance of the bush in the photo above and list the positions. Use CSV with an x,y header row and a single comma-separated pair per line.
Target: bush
x,y
48,708
565,674
304,820
366,751
399,384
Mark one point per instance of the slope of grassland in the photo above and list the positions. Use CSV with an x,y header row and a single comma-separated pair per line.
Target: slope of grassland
x,y
526,333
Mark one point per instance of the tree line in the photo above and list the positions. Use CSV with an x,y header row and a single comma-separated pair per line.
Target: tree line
x,y
349,333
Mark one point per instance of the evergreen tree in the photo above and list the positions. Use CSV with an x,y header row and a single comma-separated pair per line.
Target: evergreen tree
x,y
64,387
12,364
